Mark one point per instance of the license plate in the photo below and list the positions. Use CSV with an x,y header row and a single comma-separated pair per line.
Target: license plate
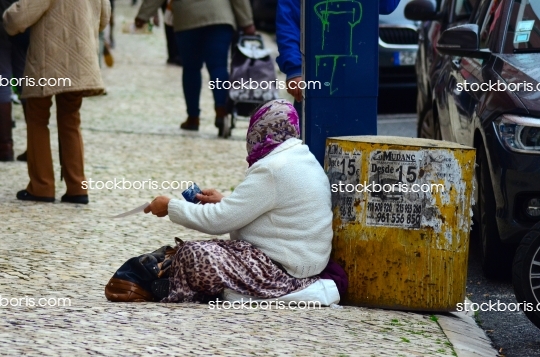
x,y
404,58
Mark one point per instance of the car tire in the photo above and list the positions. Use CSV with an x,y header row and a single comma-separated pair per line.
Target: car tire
x,y
496,261
428,126
526,274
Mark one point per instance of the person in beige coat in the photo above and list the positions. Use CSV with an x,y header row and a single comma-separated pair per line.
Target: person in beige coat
x,y
62,61
204,30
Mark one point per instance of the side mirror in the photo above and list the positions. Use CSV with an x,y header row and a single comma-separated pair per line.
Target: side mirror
x,y
421,10
461,41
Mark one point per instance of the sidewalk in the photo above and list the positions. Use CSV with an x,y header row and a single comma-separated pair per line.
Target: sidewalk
x,y
70,251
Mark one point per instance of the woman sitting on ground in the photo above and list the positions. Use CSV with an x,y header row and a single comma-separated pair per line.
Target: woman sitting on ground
x,y
279,219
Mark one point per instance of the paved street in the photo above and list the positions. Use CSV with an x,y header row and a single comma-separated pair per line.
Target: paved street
x,y
70,251
397,125
510,331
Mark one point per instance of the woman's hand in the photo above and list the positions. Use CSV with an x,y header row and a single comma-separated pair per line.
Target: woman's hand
x,y
249,30
292,88
209,196
159,206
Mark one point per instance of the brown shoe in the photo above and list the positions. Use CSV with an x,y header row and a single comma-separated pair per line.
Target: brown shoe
x,y
192,123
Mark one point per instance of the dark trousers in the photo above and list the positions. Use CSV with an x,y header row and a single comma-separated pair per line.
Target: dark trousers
x,y
172,51
204,45
12,60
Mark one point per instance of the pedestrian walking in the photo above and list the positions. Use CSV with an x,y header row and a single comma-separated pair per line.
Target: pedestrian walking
x,y
204,30
172,52
62,60
12,60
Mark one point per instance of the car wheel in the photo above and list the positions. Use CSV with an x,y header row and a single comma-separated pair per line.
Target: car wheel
x,y
526,274
428,126
496,262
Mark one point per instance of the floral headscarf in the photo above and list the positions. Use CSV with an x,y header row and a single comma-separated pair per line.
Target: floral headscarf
x,y
275,122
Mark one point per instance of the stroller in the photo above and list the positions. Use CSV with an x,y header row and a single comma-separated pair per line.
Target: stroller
x,y
252,66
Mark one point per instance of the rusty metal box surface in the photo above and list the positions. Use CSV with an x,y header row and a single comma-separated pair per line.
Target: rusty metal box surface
x,y
402,218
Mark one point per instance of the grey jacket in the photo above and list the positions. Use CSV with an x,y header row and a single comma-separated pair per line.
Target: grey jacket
x,y
191,14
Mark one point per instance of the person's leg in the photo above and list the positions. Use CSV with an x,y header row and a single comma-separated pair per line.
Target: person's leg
x,y
189,44
111,26
217,42
202,269
169,35
6,140
40,165
20,45
71,144
174,57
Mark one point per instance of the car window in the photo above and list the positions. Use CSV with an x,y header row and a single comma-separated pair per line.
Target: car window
x,y
464,9
440,4
523,29
480,13
491,12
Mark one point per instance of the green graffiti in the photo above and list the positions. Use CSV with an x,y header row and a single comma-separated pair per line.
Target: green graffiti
x,y
334,65
332,8
327,8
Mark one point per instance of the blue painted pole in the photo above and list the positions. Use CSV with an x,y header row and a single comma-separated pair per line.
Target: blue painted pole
x,y
340,49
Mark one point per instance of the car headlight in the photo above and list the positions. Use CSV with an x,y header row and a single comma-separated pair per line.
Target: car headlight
x,y
520,134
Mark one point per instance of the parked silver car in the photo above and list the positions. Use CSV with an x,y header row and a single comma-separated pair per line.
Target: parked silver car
x,y
398,45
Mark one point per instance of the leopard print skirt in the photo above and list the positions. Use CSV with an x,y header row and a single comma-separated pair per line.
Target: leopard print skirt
x,y
202,269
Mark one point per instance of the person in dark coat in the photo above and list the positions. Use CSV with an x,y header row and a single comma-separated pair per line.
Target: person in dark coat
x,y
12,60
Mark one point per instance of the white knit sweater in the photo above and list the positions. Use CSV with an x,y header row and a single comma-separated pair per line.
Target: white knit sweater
x,y
282,207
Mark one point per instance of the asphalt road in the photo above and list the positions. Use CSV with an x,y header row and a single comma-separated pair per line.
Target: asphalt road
x,y
511,332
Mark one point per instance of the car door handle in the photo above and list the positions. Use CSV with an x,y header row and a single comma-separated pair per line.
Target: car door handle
x,y
456,64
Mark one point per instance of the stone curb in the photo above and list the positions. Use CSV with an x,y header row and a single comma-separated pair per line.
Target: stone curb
x,y
467,338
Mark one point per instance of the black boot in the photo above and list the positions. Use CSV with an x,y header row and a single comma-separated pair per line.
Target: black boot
x,y
6,139
23,156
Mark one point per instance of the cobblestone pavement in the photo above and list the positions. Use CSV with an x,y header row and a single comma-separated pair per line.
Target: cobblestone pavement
x,y
70,251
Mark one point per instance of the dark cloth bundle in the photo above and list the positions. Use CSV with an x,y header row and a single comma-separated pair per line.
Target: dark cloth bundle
x,y
143,278
335,272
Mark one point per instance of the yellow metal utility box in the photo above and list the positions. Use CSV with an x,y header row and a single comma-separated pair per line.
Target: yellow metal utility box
x,y
402,217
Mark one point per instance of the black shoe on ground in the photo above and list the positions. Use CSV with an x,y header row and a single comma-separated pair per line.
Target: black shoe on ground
x,y
218,122
81,199
23,156
27,196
